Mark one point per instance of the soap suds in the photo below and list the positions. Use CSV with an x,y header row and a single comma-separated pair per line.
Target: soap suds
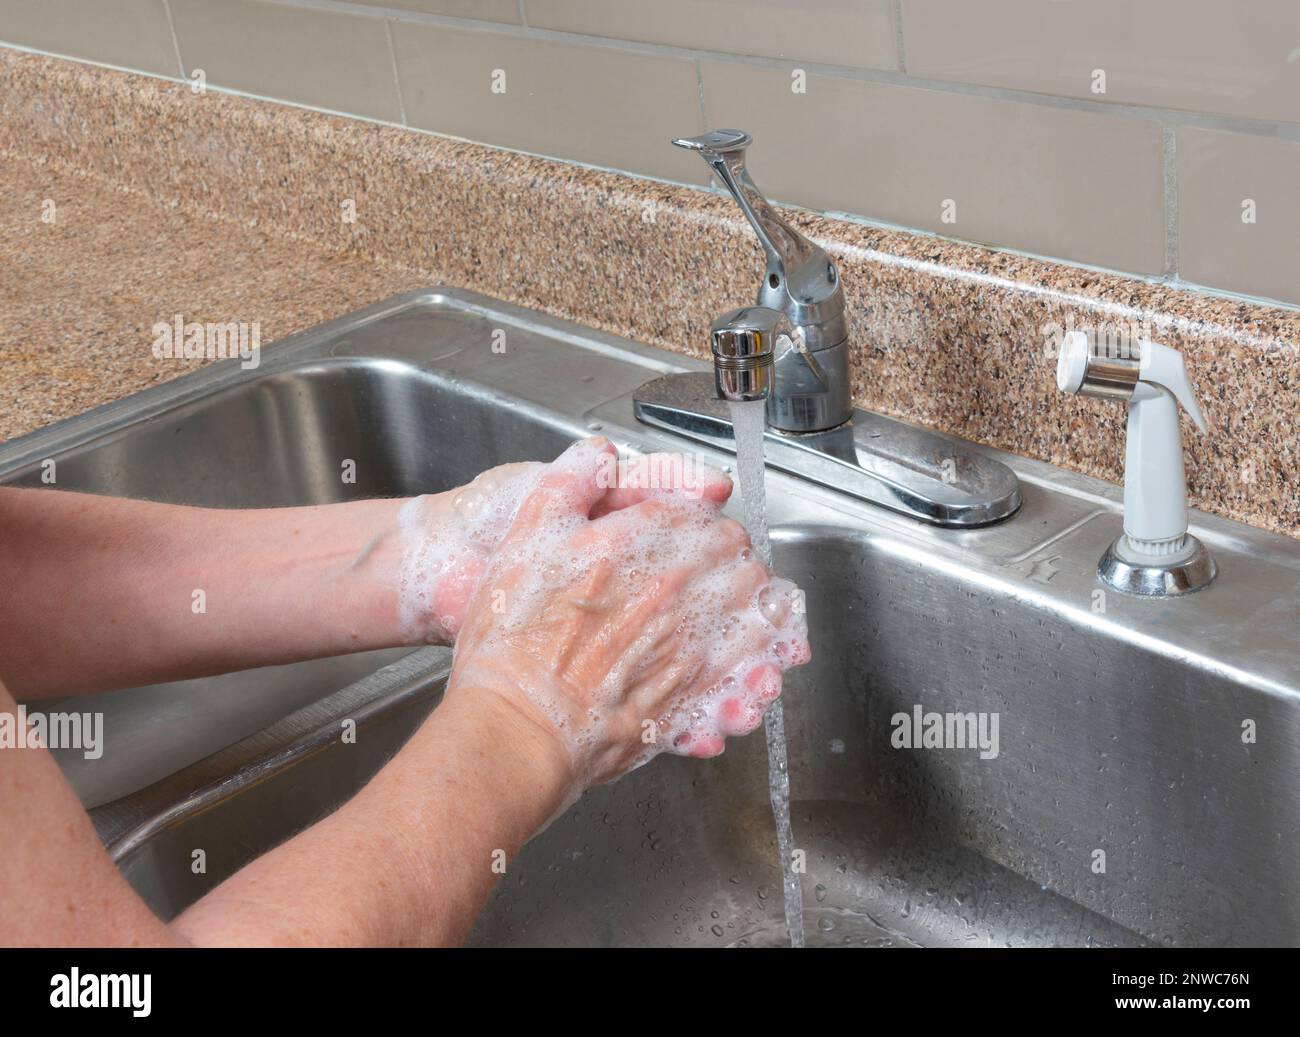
x,y
735,628
445,546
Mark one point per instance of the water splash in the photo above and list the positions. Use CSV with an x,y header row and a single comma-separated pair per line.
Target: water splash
x,y
749,420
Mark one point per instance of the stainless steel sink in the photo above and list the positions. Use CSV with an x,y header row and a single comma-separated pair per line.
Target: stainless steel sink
x,y
1120,720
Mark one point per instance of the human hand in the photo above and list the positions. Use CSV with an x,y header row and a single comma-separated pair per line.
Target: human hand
x,y
647,628
446,538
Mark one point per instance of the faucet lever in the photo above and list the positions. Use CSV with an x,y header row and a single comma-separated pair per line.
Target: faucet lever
x,y
717,141
799,272
811,383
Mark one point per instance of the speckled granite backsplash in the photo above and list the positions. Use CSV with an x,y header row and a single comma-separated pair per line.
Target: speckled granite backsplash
x,y
207,203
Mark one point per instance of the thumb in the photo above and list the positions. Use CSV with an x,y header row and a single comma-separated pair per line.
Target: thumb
x,y
650,475
569,486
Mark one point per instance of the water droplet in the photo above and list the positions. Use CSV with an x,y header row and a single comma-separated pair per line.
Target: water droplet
x,y
774,605
469,502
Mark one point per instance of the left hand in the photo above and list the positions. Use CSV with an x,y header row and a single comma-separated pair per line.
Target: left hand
x,y
446,538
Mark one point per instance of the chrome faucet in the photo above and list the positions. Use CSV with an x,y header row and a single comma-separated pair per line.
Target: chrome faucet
x,y
792,350
809,389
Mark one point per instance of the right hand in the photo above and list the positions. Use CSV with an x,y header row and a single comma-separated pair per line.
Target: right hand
x,y
447,538
644,629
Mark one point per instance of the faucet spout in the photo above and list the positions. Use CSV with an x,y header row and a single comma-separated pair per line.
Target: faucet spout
x,y
744,343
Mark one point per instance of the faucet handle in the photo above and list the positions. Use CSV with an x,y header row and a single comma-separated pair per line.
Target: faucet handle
x,y
718,142
808,387
801,279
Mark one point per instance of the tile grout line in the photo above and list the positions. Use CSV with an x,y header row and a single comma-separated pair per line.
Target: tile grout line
x,y
901,54
1113,109
176,43
392,63
699,90
1171,200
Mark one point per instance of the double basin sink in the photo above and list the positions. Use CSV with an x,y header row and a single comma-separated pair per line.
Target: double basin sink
x,y
1123,802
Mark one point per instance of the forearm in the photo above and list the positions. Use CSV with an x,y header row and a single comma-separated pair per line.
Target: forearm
x,y
410,860
102,592
413,857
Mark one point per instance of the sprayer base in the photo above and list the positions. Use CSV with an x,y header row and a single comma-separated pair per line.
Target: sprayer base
x,y
1148,577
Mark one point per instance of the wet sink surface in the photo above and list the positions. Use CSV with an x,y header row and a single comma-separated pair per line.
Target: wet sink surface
x,y
1122,805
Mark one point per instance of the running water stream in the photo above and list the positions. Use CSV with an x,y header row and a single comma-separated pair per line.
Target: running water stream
x,y
749,420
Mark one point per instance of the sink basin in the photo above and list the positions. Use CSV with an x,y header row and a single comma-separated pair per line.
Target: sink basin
x,y
1122,805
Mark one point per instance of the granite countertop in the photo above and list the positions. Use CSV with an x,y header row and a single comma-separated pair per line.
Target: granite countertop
x,y
81,294
223,208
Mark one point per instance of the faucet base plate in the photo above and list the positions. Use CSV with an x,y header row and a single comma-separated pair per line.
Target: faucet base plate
x,y
922,474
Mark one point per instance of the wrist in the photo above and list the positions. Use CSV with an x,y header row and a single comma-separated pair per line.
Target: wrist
x,y
361,578
378,575
514,752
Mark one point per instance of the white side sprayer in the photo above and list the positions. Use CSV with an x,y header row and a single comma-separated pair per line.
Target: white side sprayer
x,y
1155,556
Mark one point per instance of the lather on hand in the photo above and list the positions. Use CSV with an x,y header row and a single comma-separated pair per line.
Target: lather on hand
x,y
639,630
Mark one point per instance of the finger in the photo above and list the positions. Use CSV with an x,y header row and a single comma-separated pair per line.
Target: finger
x,y
652,604
649,475
800,651
569,486
730,539
742,711
714,542
763,684
701,744
505,474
